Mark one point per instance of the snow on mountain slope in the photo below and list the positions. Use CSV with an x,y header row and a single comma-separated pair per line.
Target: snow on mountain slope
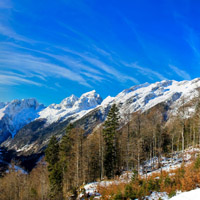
x,y
146,96
2,105
141,97
71,106
16,114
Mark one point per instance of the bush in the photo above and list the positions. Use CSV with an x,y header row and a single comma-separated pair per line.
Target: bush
x,y
197,163
172,193
167,181
129,192
118,196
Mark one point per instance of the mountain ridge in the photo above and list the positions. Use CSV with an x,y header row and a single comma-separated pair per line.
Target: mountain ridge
x,y
89,110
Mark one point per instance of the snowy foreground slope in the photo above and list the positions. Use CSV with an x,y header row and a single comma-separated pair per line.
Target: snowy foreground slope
x,y
89,110
168,164
191,195
91,188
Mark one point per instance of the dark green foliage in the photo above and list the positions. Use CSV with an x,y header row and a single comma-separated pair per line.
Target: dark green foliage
x,y
118,196
54,168
110,135
129,193
172,193
55,178
65,147
134,176
154,185
151,185
181,171
167,181
51,152
197,163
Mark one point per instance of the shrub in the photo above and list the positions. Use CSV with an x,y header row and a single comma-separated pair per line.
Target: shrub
x,y
118,196
172,193
129,192
167,181
197,163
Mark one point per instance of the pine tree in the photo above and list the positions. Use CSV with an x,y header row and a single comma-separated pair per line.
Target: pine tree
x,y
55,178
51,152
54,168
65,155
65,146
110,134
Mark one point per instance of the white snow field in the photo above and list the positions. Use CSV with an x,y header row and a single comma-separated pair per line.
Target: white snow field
x,y
191,195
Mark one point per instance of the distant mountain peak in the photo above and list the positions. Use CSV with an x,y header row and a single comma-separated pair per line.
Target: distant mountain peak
x,y
71,106
69,101
16,114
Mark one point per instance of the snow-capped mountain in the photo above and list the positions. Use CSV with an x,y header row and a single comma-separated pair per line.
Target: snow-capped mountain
x,y
146,96
87,111
71,106
16,114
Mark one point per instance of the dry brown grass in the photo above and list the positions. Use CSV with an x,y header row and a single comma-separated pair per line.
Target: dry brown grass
x,y
185,178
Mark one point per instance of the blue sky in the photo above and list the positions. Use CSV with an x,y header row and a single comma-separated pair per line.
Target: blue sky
x,y
52,49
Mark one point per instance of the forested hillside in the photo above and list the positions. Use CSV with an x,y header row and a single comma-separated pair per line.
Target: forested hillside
x,y
117,145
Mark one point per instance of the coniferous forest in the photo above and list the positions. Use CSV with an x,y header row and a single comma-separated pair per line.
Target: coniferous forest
x,y
121,143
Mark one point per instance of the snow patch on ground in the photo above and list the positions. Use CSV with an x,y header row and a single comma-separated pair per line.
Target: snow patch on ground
x,y
158,196
191,195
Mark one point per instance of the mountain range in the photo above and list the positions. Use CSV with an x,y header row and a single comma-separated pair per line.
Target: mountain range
x,y
26,125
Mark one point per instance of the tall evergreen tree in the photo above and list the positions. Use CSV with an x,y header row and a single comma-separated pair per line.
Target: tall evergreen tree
x,y
65,154
110,134
54,168
65,146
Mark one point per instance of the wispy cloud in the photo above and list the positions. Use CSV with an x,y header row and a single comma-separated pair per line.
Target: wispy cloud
x,y
96,57
180,73
145,71
38,66
15,80
193,40
191,37
106,68
87,64
8,32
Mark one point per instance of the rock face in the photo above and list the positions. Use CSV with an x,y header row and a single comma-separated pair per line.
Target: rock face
x,y
32,125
